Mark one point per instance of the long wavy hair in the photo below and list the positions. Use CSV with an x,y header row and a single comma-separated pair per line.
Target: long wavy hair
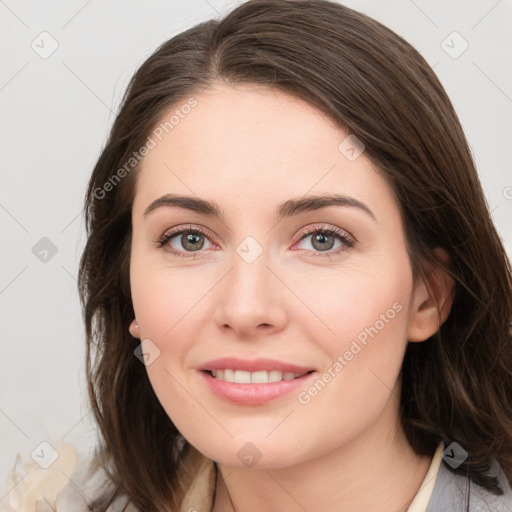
x,y
457,385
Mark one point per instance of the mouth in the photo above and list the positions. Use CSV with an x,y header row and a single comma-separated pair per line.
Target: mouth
x,y
254,382
255,388
257,377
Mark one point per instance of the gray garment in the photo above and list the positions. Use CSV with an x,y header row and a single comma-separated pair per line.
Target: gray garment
x,y
453,492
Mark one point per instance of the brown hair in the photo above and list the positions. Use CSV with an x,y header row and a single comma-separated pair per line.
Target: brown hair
x,y
456,386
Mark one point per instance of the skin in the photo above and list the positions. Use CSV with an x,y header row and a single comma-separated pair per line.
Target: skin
x,y
249,148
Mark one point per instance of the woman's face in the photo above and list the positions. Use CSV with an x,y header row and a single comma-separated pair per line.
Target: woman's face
x,y
259,281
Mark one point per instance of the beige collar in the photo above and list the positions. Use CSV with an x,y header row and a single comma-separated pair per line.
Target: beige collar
x,y
420,501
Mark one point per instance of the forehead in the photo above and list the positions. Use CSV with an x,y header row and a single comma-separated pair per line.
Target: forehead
x,y
260,144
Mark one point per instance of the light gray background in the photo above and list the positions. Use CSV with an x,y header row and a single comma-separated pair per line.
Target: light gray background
x,y
56,112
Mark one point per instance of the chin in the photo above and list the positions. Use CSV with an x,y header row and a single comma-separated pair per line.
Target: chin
x,y
244,454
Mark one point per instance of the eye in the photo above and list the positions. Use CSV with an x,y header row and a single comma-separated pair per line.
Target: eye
x,y
183,241
189,240
324,239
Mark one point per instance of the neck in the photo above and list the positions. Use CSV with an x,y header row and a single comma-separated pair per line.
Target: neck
x,y
377,470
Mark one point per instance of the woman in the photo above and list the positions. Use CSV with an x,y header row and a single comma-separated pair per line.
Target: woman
x,y
294,294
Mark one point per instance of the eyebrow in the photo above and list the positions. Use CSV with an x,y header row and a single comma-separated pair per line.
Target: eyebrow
x,y
287,209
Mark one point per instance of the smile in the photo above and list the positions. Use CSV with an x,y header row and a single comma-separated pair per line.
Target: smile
x,y
241,391
259,377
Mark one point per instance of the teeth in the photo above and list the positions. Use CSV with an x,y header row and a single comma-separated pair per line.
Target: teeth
x,y
260,377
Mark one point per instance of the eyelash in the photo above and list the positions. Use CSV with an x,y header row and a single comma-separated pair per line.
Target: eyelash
x,y
348,241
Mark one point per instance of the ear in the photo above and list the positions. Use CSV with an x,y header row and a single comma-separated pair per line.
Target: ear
x,y
134,329
432,301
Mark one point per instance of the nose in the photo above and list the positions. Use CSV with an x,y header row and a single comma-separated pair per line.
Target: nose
x,y
250,300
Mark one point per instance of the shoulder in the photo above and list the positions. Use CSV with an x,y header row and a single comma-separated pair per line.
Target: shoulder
x,y
64,480
455,492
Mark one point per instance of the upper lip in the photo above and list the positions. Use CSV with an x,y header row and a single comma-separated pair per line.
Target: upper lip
x,y
232,363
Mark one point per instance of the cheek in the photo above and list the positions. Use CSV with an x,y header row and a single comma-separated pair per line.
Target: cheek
x,y
164,298
364,322
360,304
167,303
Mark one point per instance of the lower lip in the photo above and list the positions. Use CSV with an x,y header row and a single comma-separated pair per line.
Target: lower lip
x,y
253,394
